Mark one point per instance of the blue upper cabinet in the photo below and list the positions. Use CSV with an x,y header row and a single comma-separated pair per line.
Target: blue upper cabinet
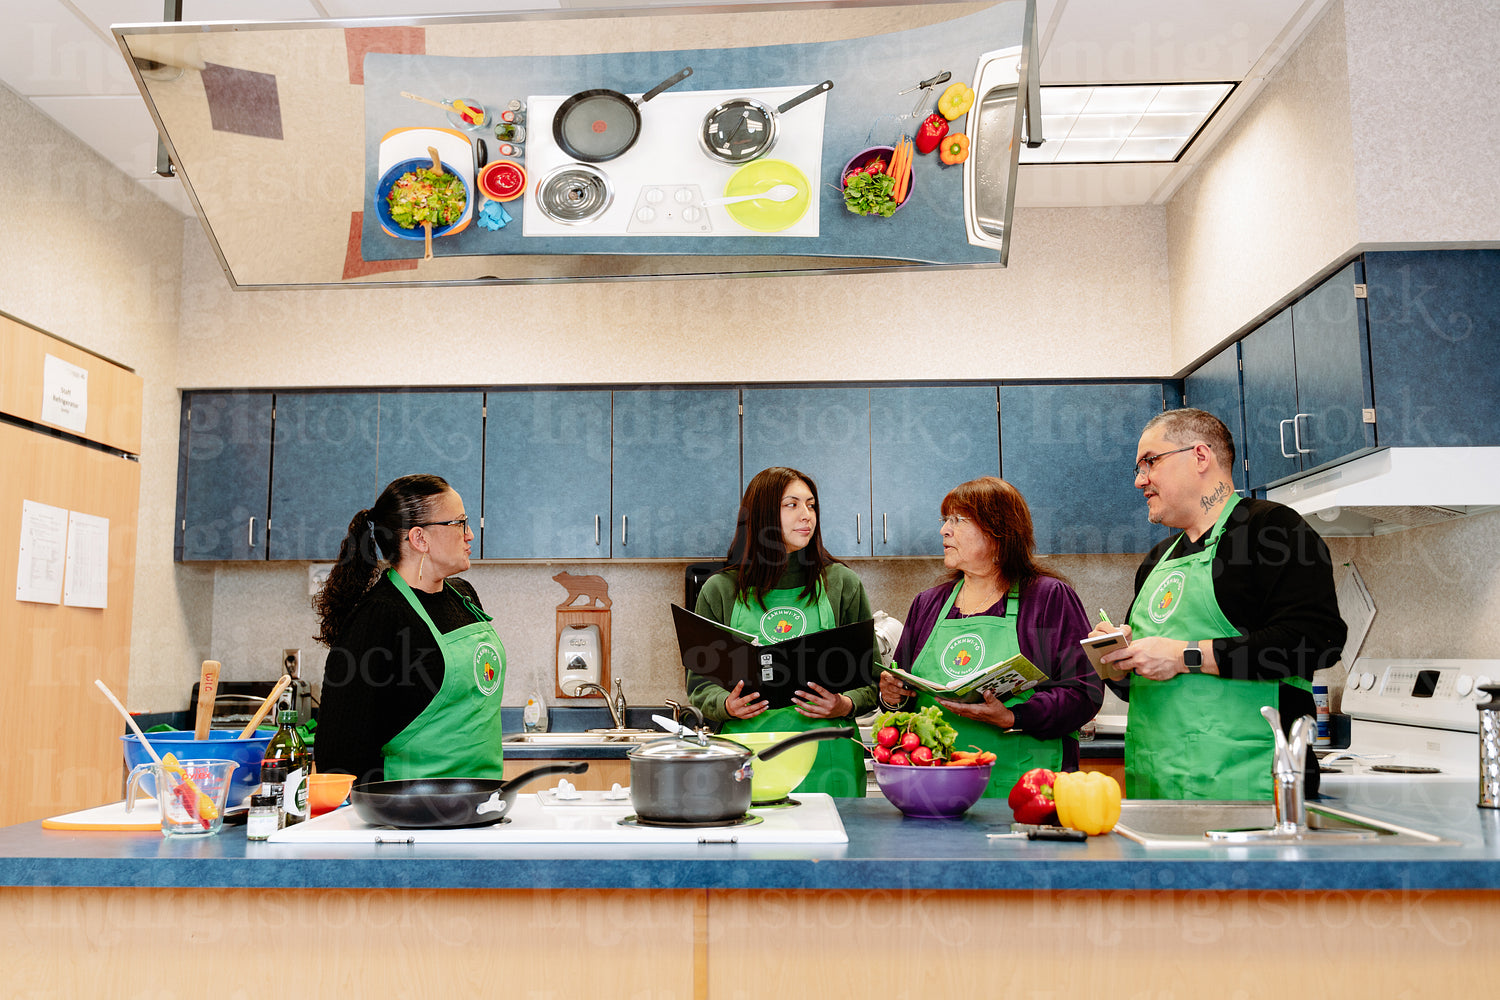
x,y
1215,388
1434,320
923,442
676,472
825,434
546,475
435,433
224,470
1333,371
1307,383
323,470
1068,449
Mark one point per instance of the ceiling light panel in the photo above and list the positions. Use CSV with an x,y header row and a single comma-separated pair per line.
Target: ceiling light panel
x,y
1116,124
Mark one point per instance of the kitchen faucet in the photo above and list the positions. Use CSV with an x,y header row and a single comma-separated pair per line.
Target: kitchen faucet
x,y
1287,775
616,705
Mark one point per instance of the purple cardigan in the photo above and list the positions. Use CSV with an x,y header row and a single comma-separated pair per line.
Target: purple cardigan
x,y
1051,623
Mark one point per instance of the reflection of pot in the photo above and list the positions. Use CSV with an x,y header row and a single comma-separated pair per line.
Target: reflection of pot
x,y
739,130
417,803
702,779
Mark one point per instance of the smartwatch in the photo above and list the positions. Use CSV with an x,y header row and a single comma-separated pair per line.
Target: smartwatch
x,y
1192,658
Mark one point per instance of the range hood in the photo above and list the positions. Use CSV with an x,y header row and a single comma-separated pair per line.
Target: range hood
x,y
1396,488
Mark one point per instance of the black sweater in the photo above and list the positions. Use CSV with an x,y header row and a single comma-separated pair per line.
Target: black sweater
x,y
383,671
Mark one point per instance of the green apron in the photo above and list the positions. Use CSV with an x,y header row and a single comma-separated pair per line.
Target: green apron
x,y
839,768
458,734
955,647
1195,736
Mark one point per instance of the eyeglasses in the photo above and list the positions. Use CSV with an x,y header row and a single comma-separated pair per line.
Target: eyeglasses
x,y
954,519
1145,465
457,522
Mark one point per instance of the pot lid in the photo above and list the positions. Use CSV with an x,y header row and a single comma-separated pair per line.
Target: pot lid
x,y
688,748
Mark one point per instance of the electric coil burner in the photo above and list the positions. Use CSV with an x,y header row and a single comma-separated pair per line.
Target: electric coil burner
x,y
574,193
738,821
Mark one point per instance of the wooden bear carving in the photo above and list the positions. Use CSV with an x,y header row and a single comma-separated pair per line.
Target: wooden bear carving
x,y
591,587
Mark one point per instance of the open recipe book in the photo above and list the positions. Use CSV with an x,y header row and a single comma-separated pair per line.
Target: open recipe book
x,y
1006,678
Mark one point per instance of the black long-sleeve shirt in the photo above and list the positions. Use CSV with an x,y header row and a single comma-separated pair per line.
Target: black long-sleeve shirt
x,y
383,671
1273,579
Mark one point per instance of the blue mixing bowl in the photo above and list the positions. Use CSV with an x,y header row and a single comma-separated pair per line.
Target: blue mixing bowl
x,y
220,745
383,191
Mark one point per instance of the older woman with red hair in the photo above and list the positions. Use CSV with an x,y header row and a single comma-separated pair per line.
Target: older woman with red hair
x,y
999,600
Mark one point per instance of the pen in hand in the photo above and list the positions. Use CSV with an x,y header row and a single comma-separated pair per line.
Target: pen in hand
x,y
1104,618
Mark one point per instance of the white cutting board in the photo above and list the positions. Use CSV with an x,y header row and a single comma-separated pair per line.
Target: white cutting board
x,y
815,821
145,816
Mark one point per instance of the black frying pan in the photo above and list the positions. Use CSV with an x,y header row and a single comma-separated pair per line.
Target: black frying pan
x,y
417,803
598,125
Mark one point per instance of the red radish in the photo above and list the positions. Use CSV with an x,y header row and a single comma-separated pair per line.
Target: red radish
x,y
882,754
899,757
922,756
888,736
910,741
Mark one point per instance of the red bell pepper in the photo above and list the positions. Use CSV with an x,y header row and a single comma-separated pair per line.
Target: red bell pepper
x,y
1031,799
931,133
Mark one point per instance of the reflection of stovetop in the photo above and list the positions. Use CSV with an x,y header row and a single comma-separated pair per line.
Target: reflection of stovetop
x,y
660,182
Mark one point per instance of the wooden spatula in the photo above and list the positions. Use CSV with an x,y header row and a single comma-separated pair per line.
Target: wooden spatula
x,y
208,688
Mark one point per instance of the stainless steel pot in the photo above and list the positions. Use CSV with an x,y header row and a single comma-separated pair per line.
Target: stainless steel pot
x,y
702,779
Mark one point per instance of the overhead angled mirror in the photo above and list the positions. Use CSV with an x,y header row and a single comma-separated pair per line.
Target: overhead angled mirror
x,y
591,144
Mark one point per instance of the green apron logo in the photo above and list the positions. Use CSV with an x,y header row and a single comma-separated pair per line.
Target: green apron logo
x,y
782,623
1168,596
963,655
489,668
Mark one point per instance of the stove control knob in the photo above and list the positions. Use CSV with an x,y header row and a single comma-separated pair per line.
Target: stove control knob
x,y
691,214
645,214
1479,682
1464,685
1366,681
655,195
683,195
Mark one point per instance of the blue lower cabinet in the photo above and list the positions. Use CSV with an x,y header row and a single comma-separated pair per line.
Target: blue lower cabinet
x,y
546,475
1069,450
676,473
923,442
434,433
1434,319
825,434
225,472
323,470
1215,388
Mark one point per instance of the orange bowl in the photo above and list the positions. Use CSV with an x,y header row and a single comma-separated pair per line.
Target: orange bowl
x,y
326,792
503,180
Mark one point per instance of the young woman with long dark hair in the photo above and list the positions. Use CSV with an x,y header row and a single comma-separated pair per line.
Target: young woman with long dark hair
x,y
780,582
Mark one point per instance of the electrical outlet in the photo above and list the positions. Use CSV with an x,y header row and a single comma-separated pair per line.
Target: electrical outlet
x,y
291,662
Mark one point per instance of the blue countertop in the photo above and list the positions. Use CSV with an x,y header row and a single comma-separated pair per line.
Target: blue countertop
x,y
885,851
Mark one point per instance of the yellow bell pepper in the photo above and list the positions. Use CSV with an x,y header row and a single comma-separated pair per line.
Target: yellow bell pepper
x,y
957,99
1087,801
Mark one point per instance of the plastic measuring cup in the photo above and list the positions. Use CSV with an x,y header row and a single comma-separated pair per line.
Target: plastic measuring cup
x,y
185,812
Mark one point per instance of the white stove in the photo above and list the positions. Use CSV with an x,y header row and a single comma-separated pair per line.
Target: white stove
x,y
591,819
658,186
1411,720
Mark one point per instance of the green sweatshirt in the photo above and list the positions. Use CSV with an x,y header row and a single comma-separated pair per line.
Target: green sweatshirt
x,y
846,594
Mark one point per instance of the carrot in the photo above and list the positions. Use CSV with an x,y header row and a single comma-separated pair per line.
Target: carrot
x,y
902,163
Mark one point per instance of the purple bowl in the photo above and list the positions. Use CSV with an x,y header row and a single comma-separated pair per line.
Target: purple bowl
x,y
932,792
884,152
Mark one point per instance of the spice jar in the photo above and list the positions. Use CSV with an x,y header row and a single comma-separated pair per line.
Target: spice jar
x,y
264,818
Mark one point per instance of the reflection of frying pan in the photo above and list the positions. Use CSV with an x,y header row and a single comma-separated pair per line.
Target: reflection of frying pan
x,y
738,131
598,125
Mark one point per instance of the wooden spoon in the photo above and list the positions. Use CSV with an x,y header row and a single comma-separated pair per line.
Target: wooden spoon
x,y
428,100
208,689
265,706
437,168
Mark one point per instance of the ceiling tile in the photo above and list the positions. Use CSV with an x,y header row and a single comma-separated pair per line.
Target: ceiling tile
x,y
117,128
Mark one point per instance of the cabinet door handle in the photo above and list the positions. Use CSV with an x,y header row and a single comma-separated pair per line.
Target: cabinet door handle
x,y
885,535
1297,434
596,529
624,530
1281,433
250,535
858,530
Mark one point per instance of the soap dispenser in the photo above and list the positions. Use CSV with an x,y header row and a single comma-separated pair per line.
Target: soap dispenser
x,y
579,658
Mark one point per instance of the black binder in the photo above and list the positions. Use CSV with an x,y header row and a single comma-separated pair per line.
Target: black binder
x,y
838,658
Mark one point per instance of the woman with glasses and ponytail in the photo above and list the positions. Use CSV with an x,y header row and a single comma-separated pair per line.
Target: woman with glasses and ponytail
x,y
415,670
997,601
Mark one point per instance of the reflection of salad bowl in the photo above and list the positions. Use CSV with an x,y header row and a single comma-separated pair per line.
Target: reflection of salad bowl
x,y
395,173
862,159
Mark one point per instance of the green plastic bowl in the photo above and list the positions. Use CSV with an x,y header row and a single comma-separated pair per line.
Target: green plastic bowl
x,y
774,779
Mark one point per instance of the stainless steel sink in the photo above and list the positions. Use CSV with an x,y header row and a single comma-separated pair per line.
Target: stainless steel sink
x,y
989,172
1174,823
